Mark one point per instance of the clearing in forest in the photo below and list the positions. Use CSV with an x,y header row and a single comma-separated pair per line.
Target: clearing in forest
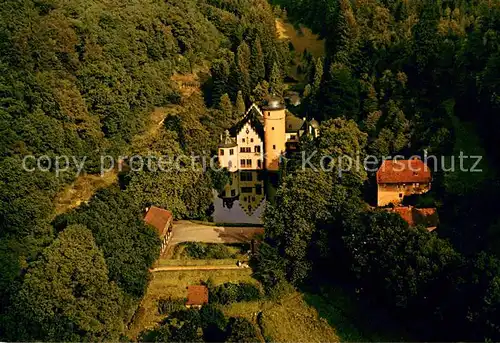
x,y
302,38
291,318
82,190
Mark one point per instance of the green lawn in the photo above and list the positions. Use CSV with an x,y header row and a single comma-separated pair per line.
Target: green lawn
x,y
174,284
296,317
185,262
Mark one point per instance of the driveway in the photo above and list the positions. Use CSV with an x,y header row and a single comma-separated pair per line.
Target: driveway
x,y
186,231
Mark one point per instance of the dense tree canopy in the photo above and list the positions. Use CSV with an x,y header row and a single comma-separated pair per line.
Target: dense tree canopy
x,y
66,295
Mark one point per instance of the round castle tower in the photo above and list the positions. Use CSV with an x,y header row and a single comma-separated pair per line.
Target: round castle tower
x,y
274,133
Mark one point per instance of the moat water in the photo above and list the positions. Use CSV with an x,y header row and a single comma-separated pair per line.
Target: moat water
x,y
244,197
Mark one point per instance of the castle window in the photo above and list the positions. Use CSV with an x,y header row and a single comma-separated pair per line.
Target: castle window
x,y
243,140
249,163
233,192
246,189
293,137
246,176
400,195
268,114
242,163
251,140
248,149
258,189
272,128
257,148
242,149
231,152
274,147
221,152
259,164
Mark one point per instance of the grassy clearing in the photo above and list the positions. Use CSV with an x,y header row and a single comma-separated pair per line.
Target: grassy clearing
x,y
173,284
302,39
209,251
290,319
85,186
210,262
82,190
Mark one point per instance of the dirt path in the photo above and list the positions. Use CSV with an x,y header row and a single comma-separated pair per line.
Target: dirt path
x,y
187,231
177,268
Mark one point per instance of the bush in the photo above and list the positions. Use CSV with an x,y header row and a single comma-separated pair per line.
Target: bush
x,y
241,330
170,305
203,251
213,323
233,292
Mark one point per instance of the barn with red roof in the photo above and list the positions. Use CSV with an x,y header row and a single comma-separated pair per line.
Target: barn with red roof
x,y
162,221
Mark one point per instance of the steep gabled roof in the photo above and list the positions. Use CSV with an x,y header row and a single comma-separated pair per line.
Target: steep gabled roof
x,y
255,118
158,218
404,171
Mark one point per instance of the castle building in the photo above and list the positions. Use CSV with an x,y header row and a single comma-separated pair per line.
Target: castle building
x,y
398,178
262,136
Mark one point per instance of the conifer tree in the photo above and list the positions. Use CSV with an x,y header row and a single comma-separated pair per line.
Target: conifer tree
x,y
226,106
243,66
258,67
260,92
240,104
318,75
220,77
276,81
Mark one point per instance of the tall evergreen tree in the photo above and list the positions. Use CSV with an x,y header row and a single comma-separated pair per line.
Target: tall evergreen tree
x,y
258,67
276,81
226,107
340,93
240,105
243,57
220,79
318,75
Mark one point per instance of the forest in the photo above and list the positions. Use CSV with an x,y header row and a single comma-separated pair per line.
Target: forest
x,y
81,77
399,77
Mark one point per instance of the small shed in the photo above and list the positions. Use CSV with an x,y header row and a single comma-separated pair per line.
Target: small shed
x,y
197,296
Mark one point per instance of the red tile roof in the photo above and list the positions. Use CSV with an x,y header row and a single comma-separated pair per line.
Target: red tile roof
x,y
427,217
197,295
158,218
403,171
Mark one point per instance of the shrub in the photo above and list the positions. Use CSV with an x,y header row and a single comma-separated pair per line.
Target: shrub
x,y
241,330
213,323
233,292
207,251
170,305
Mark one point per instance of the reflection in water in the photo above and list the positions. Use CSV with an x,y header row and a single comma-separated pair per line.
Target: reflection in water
x,y
242,200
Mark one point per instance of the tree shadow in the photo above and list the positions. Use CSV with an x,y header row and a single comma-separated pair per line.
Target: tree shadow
x,y
353,321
